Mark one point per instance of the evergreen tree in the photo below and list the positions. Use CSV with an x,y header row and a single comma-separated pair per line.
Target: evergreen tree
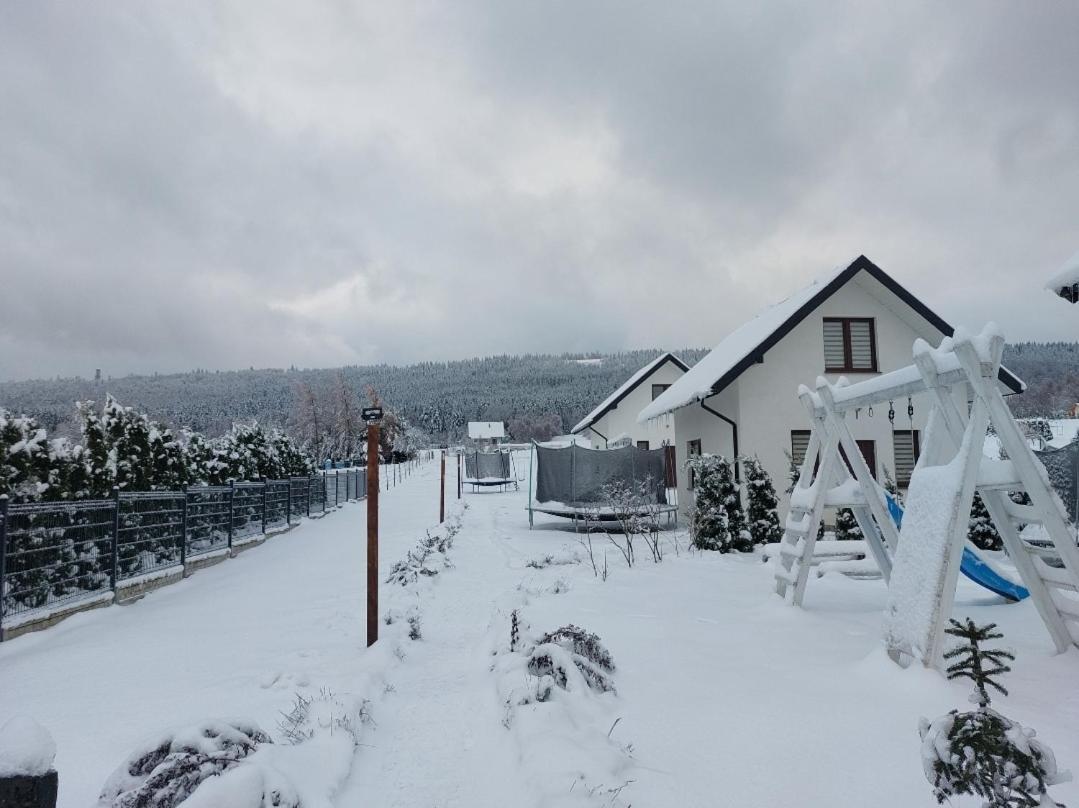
x,y
981,531
24,458
891,486
708,522
741,539
982,753
846,526
761,506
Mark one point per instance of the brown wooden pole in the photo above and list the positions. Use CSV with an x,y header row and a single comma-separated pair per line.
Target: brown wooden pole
x,y
442,492
372,534
458,475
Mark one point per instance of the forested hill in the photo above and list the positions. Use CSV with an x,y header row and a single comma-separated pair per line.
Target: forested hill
x,y
440,397
1051,371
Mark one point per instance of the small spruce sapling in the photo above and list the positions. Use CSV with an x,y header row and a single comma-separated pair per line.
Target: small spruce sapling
x,y
708,520
741,539
982,753
846,526
762,503
981,531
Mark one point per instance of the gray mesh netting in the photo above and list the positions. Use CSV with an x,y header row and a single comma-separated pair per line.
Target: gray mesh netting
x,y
1063,467
573,474
488,466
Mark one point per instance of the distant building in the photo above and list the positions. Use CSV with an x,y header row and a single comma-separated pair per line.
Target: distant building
x,y
493,431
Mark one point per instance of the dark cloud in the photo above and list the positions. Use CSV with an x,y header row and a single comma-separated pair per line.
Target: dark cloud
x,y
275,184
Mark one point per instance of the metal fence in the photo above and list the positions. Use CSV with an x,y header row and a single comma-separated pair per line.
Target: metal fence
x,y
54,555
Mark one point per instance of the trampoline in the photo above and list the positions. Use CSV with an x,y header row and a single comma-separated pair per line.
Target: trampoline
x,y
490,470
569,482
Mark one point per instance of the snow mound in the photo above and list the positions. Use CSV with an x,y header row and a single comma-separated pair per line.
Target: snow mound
x,y
26,748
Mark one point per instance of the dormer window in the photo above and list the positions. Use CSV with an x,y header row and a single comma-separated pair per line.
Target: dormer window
x,y
850,345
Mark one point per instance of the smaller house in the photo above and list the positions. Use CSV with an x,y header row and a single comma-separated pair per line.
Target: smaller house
x,y
614,421
490,431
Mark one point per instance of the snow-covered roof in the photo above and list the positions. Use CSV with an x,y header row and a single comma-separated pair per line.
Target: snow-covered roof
x,y
630,385
1068,276
479,430
747,343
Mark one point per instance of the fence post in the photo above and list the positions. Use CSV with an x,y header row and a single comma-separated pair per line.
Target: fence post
x,y
307,482
183,531
288,505
265,501
3,557
442,492
115,536
232,509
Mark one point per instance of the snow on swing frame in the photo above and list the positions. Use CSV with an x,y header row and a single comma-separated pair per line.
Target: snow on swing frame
x,y
920,555
569,483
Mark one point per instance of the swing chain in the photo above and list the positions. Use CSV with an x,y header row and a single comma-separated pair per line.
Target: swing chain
x,y
891,413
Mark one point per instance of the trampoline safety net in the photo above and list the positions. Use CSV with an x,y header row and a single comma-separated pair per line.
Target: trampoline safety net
x,y
573,474
1063,467
488,466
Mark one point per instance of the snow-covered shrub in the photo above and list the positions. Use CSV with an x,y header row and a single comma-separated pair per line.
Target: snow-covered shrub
x,y
561,652
846,526
983,753
165,772
761,503
981,531
717,521
428,558
310,715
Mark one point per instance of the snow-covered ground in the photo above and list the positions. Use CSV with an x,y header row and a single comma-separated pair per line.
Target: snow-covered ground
x,y
725,695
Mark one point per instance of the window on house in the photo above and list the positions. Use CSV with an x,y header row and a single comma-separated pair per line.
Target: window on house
x,y
868,449
850,345
658,390
905,444
642,444
693,449
799,445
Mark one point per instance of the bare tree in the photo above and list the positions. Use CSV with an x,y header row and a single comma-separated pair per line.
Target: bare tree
x,y
308,422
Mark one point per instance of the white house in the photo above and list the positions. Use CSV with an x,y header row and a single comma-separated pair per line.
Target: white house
x,y
615,419
486,430
741,399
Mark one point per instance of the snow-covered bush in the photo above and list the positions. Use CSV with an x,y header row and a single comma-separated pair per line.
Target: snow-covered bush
x,y
717,521
981,531
428,558
166,771
762,503
846,526
983,753
25,461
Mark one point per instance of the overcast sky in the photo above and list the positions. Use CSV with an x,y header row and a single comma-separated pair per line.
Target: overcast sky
x,y
222,185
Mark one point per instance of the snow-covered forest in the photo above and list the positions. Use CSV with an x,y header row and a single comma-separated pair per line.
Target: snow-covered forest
x,y
530,392
537,395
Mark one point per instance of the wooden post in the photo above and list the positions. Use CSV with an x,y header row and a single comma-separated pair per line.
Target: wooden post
x,y
459,476
372,534
442,491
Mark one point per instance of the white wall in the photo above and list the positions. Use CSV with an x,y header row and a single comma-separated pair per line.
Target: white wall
x,y
623,418
765,395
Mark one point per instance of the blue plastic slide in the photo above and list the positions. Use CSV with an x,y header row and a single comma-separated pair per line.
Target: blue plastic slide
x,y
973,565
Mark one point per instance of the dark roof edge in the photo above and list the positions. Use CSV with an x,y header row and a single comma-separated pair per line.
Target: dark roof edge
x,y
1007,378
659,362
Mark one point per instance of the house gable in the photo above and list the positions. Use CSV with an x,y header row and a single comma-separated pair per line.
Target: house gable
x,y
631,384
748,344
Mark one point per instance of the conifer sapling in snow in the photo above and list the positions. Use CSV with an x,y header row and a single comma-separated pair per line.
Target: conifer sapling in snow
x,y
981,531
761,506
708,521
982,753
846,526
741,539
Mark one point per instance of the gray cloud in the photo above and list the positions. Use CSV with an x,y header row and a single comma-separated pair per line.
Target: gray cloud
x,y
272,184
